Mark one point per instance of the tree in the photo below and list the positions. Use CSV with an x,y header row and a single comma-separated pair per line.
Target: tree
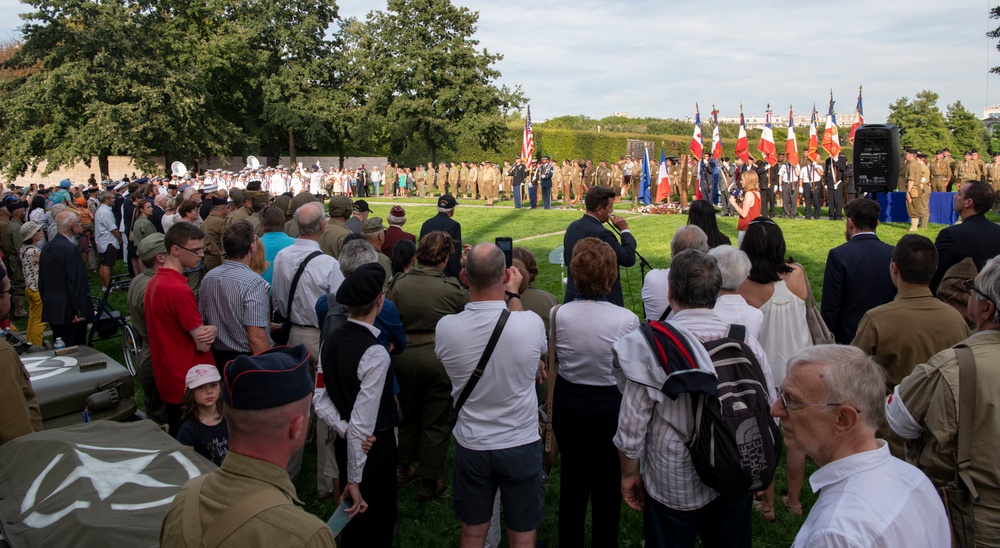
x,y
921,124
430,82
967,130
104,86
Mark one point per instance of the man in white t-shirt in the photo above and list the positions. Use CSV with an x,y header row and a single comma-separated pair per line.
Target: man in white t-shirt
x,y
497,441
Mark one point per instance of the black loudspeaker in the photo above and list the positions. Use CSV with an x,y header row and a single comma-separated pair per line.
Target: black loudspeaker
x,y
876,157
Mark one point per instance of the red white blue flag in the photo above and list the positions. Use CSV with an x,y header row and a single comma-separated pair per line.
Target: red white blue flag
x,y
812,152
859,117
663,183
742,146
716,136
831,133
696,144
791,145
766,145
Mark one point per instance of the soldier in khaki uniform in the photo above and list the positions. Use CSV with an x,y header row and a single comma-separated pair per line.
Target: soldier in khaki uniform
x,y
904,169
968,170
925,190
940,172
556,181
487,182
336,230
980,165
913,176
391,180
453,172
214,225
421,179
616,179
568,179
473,180
249,500
952,165
603,175
463,179
993,178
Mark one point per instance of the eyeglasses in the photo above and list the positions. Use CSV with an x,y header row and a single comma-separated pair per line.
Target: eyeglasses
x,y
971,286
199,251
789,406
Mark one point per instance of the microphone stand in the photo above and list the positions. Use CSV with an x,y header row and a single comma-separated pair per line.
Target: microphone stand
x,y
643,264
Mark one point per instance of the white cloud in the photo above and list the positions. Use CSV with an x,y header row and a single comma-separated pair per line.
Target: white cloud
x,y
658,58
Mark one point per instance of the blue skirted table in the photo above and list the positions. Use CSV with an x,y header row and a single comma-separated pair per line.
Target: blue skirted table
x,y
894,208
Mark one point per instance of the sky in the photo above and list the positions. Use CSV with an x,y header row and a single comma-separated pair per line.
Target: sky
x,y
657,58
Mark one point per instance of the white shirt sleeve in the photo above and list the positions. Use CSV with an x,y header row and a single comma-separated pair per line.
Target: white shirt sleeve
x,y
372,371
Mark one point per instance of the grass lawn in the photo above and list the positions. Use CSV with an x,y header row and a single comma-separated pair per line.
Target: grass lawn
x,y
434,523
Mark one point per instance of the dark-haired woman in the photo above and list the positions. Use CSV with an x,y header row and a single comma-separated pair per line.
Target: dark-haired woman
x,y
586,399
702,214
778,288
422,297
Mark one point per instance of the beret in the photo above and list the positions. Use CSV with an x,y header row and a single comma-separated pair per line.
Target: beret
x,y
253,185
273,378
362,286
216,201
15,205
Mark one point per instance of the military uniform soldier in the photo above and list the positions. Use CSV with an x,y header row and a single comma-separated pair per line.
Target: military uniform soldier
x,y
556,181
250,501
952,165
980,165
570,173
925,190
463,179
12,254
453,174
391,180
914,176
940,172
421,178
214,226
968,170
603,175
487,182
616,179
993,177
441,180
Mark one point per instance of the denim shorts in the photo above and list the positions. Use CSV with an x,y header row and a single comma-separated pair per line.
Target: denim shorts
x,y
516,471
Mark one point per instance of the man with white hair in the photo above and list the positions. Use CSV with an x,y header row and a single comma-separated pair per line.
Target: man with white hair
x,y
830,406
731,307
925,407
395,232
655,290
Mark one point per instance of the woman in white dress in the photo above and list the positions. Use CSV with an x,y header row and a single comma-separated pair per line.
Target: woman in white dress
x,y
778,288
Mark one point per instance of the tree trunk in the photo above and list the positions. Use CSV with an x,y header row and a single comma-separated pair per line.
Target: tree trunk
x,y
433,150
103,166
291,149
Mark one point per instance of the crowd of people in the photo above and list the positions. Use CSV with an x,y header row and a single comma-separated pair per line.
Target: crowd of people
x,y
256,313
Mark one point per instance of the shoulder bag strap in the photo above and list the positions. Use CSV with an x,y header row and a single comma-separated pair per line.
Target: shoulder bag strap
x,y
811,300
553,365
295,282
666,312
191,524
966,415
478,373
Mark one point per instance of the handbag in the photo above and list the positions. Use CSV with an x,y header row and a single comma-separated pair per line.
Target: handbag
x,y
818,330
455,407
960,493
280,335
550,449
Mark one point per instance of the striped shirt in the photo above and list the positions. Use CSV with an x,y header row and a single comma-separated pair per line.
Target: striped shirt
x,y
651,425
233,297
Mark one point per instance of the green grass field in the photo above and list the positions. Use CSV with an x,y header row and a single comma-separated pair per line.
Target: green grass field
x,y
433,523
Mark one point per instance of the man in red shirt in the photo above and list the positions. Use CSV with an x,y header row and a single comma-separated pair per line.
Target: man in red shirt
x,y
395,232
178,339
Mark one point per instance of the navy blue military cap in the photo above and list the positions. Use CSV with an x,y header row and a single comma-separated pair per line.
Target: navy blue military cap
x,y
273,378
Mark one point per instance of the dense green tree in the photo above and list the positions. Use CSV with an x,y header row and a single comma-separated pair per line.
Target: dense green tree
x,y
967,130
430,82
921,124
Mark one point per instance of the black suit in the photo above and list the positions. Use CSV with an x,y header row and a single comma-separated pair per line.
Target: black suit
x,y
444,223
976,237
62,282
856,280
590,227
156,217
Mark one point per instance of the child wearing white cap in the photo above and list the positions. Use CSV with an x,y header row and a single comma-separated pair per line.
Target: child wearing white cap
x,y
204,427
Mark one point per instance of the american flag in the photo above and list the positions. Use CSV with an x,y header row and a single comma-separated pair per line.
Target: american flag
x,y
528,141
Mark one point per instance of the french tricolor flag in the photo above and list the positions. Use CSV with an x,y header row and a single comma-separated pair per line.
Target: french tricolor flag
x,y
696,144
766,145
716,136
831,133
742,146
791,145
859,117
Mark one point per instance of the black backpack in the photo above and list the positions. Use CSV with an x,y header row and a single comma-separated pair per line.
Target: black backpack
x,y
736,444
